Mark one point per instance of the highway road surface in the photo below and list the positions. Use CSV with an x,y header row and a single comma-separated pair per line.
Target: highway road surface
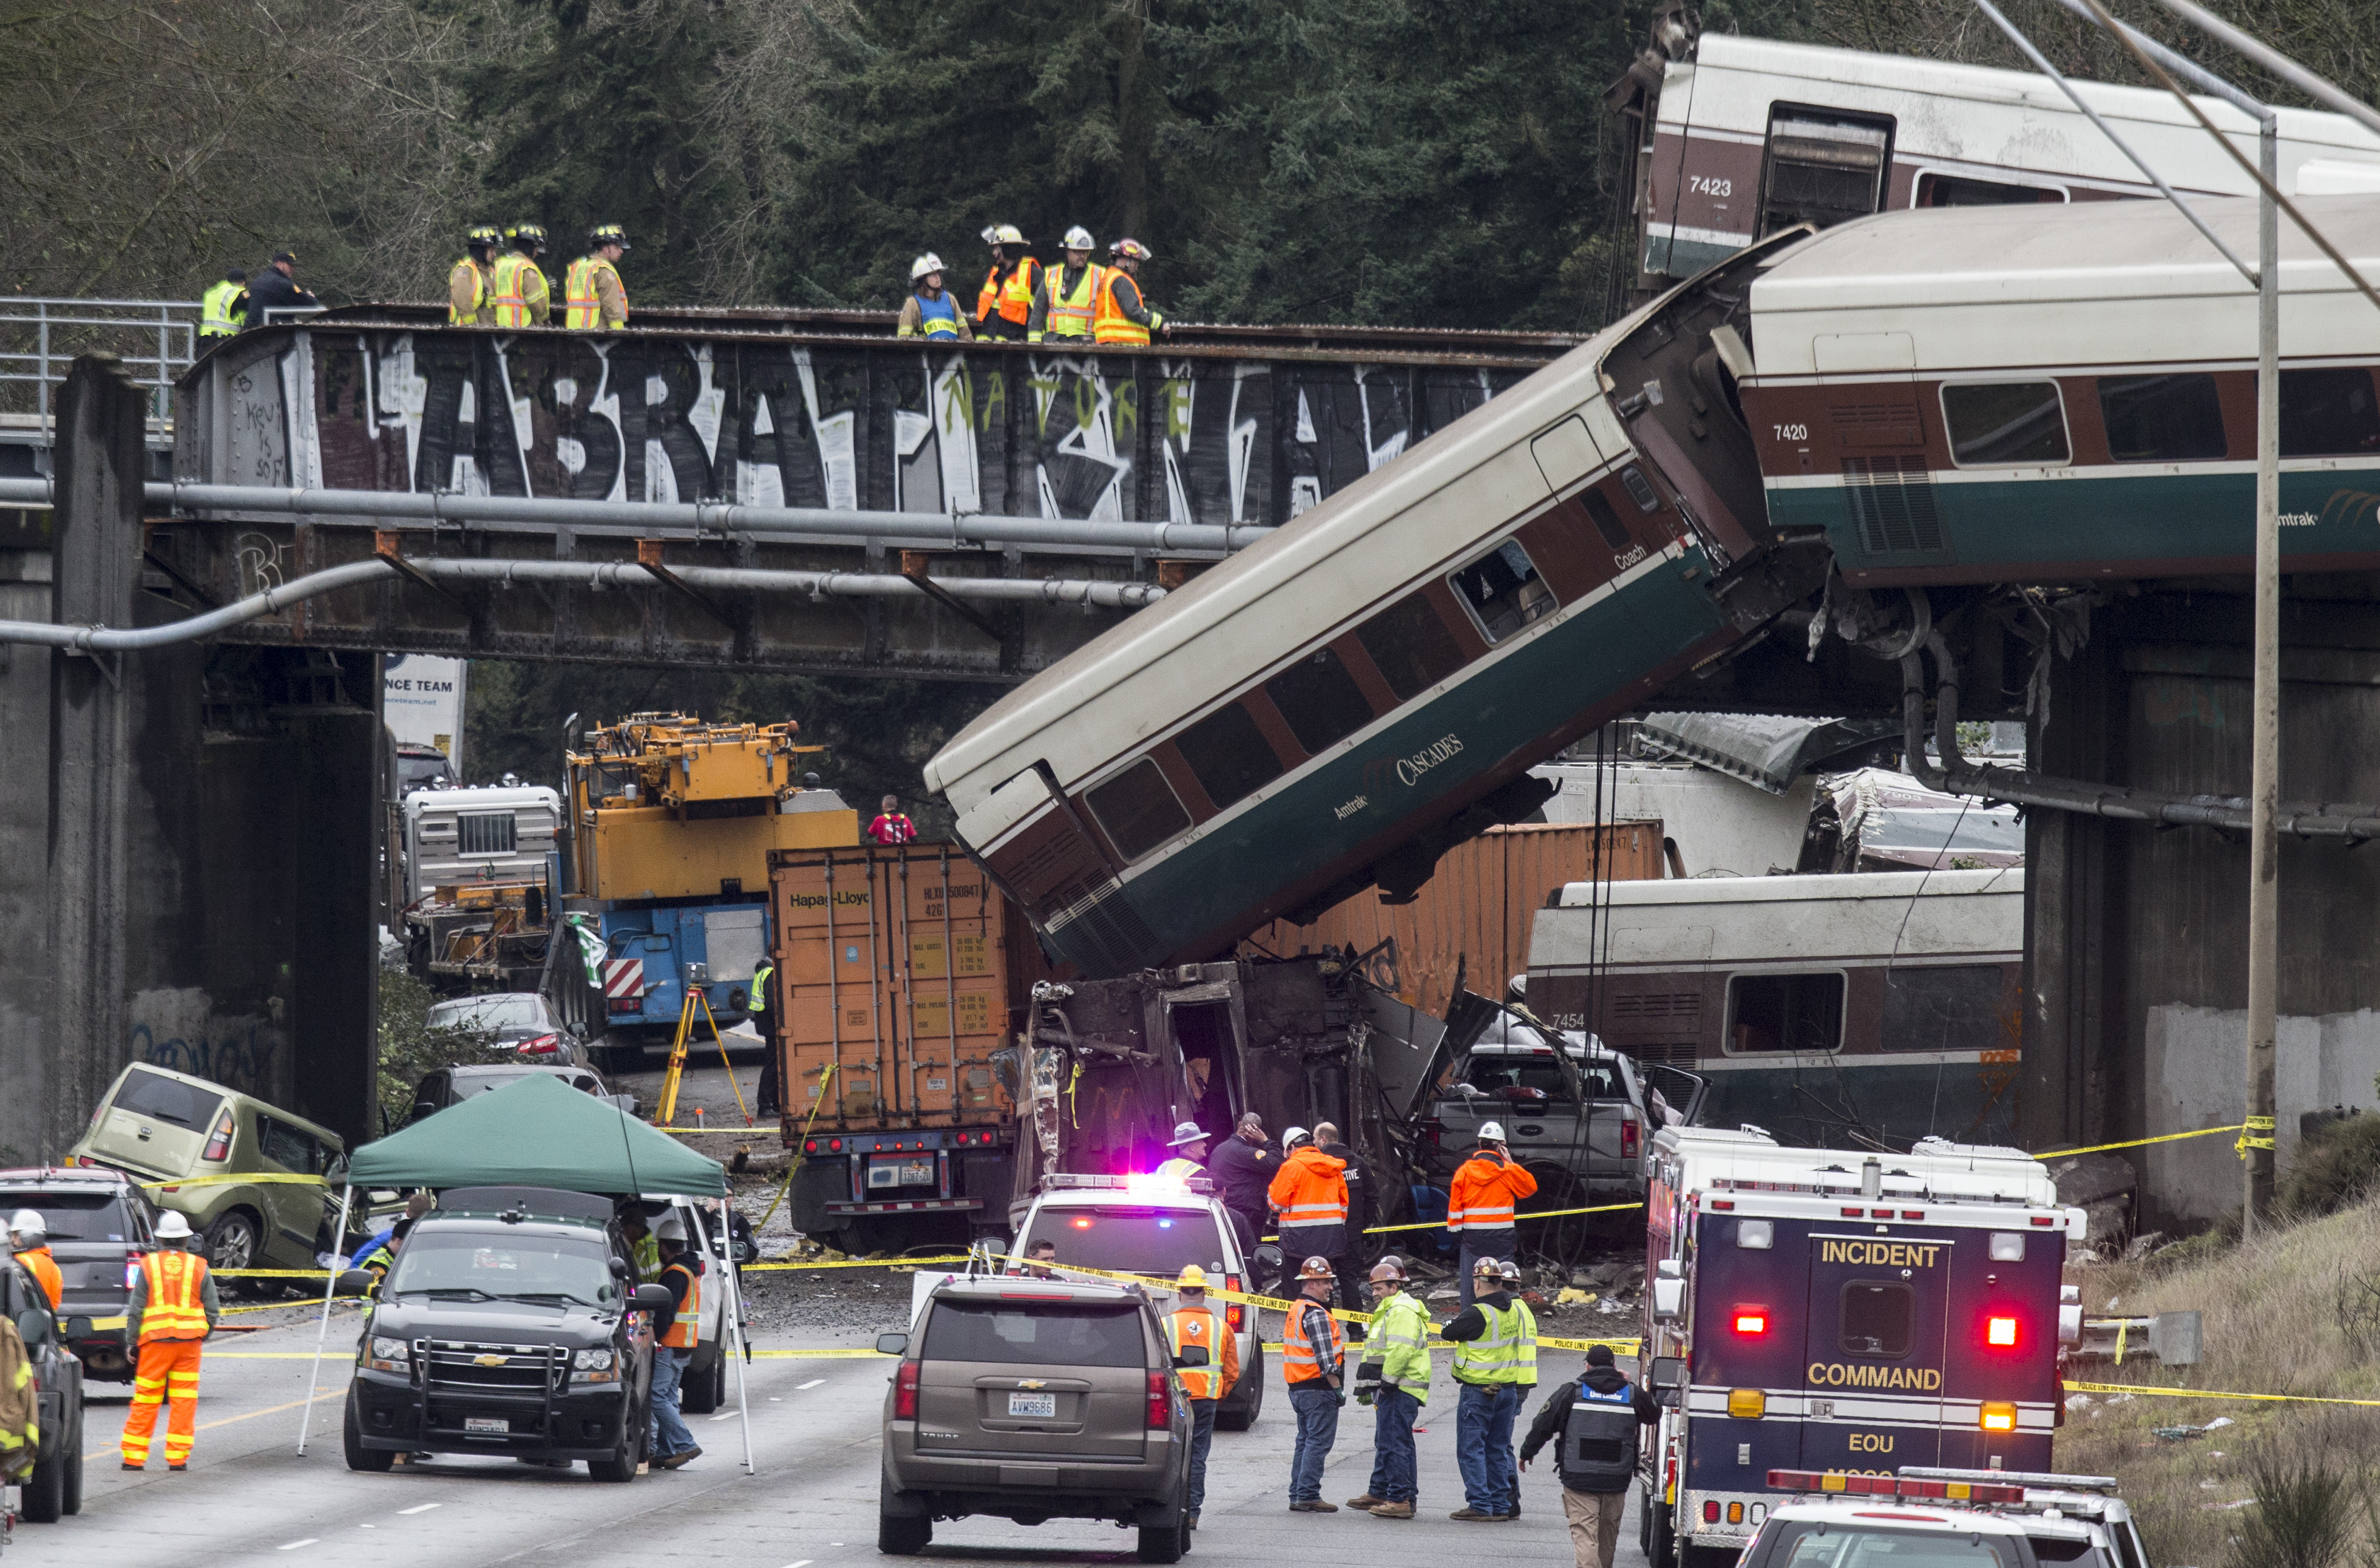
x,y
248,1499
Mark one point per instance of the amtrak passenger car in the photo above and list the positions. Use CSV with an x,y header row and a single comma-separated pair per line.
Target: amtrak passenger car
x,y
1337,705
1818,1310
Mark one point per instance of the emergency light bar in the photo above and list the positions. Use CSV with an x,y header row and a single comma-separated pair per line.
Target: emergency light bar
x,y
2045,1479
1148,1182
1834,1481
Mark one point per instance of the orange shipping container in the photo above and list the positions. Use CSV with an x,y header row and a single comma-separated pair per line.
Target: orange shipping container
x,y
1476,910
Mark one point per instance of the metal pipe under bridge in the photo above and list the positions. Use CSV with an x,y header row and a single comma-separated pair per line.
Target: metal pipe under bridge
x,y
760,490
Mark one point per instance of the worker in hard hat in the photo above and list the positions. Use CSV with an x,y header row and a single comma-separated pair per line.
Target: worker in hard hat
x,y
1479,1205
929,311
1525,1383
173,1308
1207,1357
1311,1364
1004,304
1488,1372
594,298
672,1445
470,283
1393,1378
29,1238
518,295
1069,299
1123,316
1310,1190
1597,1419
1189,1147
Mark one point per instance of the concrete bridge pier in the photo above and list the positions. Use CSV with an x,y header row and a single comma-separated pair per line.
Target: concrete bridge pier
x,y
189,836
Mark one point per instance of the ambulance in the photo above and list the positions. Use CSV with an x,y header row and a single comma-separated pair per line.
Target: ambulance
x,y
1844,1312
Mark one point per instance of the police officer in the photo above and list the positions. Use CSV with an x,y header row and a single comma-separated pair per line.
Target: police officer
x,y
1206,1355
222,307
1487,1336
1393,1378
1189,1147
1597,1417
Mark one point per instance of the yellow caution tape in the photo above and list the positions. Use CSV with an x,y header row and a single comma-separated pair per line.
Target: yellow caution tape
x,y
2216,1393
834,1352
2248,1139
2161,1137
250,1178
270,1274
1541,1214
867,1263
98,1324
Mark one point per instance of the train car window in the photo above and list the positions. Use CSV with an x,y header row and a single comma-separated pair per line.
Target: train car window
x,y
1319,699
1796,1013
1138,808
2005,421
2328,414
1954,190
1955,1007
1504,590
1822,167
1605,520
1410,646
1229,754
1877,1317
2162,419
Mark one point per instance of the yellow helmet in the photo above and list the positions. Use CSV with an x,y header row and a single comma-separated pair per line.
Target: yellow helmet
x,y
1193,1278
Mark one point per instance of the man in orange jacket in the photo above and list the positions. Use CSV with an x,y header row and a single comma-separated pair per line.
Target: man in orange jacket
x,y
1479,1204
1310,1190
29,1238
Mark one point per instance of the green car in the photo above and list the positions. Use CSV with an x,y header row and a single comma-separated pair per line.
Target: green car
x,y
178,1135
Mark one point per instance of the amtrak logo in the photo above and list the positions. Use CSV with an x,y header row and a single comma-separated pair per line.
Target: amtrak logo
x,y
1444,749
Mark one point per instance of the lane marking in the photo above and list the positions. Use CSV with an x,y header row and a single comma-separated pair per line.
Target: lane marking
x,y
814,1382
727,1415
418,1508
805,1562
228,1420
293,1546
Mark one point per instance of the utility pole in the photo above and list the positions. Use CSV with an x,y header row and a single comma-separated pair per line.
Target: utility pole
x,y
2265,784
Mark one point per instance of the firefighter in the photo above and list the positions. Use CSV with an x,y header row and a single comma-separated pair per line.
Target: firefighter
x,y
29,1238
672,1445
1005,302
1311,1353
173,1308
1207,1357
1393,1378
1310,1190
222,307
470,283
1597,1417
1487,1366
1189,1146
1479,1204
593,299
929,311
517,292
1069,295
1123,316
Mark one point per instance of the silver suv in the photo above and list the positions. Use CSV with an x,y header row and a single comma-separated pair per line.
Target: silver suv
x,y
1033,1400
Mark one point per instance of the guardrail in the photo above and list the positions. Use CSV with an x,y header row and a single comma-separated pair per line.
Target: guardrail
x,y
156,339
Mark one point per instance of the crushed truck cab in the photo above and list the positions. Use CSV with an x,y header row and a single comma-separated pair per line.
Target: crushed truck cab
x,y
1840,1311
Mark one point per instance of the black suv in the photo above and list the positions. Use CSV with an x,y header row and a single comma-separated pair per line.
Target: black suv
x,y
512,1324
99,1228
55,1485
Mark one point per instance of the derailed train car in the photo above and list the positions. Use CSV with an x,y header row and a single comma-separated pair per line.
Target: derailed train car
x,y
1332,708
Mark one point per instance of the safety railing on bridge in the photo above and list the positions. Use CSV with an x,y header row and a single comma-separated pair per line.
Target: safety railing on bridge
x,y
156,339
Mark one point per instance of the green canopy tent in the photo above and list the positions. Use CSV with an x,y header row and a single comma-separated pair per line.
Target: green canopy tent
x,y
539,1131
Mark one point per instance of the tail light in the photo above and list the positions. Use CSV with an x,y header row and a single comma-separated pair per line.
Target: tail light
x,y
543,1045
905,1392
1711,1510
1750,1322
219,1141
1432,1134
1999,1417
131,1271
628,1004
1161,1402
1234,1314
1999,1332
1629,1133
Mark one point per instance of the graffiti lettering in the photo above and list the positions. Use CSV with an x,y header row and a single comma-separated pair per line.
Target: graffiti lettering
x,y
239,1060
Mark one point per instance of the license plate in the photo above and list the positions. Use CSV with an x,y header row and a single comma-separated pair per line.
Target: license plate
x,y
917,1173
491,1426
1044,1405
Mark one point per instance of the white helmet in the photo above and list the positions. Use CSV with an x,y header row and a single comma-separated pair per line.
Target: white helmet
x,y
669,1227
1491,1132
172,1226
928,262
26,1229
1079,238
1289,1139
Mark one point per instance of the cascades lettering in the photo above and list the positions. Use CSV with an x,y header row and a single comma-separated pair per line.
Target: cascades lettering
x,y
1410,769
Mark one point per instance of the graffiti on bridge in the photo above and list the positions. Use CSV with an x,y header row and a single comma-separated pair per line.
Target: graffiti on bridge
x,y
242,1057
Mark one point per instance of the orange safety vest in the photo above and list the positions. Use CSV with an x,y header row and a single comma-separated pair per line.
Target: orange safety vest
x,y
1301,1359
507,297
1014,298
1310,1189
1110,324
44,1267
1480,1197
686,1331
582,308
1070,315
176,1309
1198,1326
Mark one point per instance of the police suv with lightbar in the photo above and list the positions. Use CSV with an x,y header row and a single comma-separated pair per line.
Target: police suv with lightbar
x,y
1836,1311
1930,1517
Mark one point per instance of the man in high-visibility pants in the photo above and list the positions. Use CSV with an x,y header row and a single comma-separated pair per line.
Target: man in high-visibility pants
x,y
173,1310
